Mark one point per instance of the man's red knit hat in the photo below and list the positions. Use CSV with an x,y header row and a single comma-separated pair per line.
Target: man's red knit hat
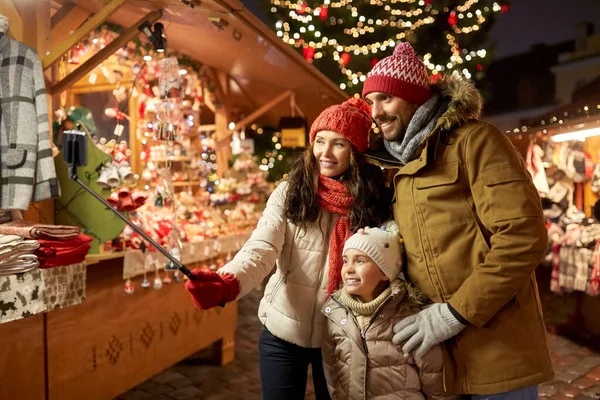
x,y
401,75
351,119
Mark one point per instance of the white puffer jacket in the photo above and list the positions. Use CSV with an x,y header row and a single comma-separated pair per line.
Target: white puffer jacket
x,y
291,306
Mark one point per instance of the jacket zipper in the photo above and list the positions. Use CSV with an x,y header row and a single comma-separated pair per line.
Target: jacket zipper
x,y
322,267
363,333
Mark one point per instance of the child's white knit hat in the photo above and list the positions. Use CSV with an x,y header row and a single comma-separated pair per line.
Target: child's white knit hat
x,y
383,245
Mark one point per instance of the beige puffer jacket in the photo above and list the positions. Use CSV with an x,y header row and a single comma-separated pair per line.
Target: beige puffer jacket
x,y
367,365
290,308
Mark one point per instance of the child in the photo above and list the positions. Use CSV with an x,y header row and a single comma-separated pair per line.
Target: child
x,y
359,358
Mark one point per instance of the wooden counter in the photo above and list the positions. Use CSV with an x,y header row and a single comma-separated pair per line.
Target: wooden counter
x,y
110,343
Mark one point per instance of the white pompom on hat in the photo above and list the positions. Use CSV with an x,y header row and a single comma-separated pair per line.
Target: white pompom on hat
x,y
383,245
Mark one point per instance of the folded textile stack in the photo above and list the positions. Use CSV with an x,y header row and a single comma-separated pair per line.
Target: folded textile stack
x,y
54,253
17,255
32,230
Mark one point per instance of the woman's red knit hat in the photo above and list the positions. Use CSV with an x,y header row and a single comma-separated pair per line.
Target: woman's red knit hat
x,y
352,119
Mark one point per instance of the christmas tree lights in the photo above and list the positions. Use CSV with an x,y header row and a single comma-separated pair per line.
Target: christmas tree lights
x,y
344,39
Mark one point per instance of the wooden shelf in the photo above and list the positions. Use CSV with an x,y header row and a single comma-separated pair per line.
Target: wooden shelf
x,y
173,158
187,183
96,258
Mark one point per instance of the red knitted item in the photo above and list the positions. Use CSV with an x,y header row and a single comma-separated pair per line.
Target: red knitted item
x,y
351,119
335,198
210,289
401,75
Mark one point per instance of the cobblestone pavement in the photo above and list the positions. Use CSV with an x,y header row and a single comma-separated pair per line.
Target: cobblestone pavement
x,y
577,367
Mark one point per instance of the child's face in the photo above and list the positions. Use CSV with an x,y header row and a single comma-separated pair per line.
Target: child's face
x,y
361,275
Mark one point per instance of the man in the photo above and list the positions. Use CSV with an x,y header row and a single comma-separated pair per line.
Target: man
x,y
473,230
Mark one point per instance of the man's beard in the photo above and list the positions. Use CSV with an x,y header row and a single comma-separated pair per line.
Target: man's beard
x,y
396,135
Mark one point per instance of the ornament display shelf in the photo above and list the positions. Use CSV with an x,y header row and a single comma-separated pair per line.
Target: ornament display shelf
x,y
191,253
178,183
173,158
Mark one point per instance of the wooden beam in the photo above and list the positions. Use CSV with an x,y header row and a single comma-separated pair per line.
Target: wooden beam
x,y
60,14
15,23
103,54
252,102
70,20
261,110
82,31
219,92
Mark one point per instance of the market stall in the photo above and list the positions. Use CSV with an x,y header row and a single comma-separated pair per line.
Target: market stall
x,y
562,152
159,119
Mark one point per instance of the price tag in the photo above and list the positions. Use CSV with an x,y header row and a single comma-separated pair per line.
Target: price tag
x,y
119,130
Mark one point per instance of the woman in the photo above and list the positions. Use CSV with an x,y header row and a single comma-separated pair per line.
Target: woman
x,y
331,191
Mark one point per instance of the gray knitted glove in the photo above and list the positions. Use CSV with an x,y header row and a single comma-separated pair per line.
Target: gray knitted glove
x,y
426,329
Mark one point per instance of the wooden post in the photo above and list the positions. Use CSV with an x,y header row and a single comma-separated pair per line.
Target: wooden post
x,y
103,54
222,141
82,32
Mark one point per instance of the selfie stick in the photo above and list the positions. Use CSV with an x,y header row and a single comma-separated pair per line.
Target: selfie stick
x,y
75,155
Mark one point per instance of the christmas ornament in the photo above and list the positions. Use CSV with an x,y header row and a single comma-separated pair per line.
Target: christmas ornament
x,y
308,52
128,287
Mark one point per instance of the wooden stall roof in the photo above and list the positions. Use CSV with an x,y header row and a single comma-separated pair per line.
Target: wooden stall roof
x,y
261,65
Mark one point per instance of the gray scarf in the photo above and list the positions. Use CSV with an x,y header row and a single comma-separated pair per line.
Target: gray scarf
x,y
419,128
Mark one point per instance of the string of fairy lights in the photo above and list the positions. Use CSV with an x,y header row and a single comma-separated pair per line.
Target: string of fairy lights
x,y
405,17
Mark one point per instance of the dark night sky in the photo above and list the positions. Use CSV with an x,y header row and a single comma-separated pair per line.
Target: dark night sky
x,y
541,21
528,22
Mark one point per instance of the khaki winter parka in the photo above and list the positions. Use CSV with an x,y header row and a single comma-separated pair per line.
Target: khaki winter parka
x,y
474,233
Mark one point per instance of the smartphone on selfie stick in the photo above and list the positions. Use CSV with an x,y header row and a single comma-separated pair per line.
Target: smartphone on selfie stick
x,y
74,148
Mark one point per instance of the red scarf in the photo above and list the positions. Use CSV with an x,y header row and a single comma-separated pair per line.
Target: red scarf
x,y
335,198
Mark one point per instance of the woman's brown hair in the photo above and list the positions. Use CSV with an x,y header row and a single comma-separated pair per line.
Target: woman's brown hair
x,y
365,182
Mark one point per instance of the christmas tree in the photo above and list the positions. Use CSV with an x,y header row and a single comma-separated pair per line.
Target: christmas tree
x,y
345,38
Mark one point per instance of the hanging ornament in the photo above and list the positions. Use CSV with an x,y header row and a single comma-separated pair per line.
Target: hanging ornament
x,y
505,8
177,275
374,61
479,67
128,287
74,56
323,13
452,19
345,58
157,281
309,53
158,202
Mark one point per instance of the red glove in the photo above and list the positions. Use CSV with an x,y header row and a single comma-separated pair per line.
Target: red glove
x,y
210,289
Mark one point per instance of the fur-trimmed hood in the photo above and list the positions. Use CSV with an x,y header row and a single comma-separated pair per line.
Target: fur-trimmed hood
x,y
465,104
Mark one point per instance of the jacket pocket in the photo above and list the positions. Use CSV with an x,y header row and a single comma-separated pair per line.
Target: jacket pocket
x,y
278,285
439,196
510,194
446,175
15,158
